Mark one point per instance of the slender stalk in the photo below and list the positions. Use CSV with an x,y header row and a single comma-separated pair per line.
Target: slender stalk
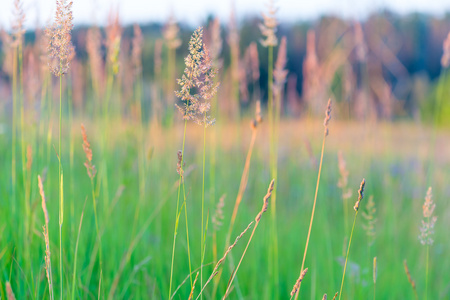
x,y
74,277
202,242
187,234
61,193
312,213
257,220
14,132
177,214
325,133
242,187
356,208
426,270
346,257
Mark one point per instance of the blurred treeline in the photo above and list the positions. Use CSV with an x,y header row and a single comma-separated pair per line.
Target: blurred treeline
x,y
387,66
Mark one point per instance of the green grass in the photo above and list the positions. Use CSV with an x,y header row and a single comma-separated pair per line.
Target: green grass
x,y
396,174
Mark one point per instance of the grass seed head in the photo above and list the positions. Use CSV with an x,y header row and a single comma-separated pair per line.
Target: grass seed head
x,y
428,222
280,73
327,118
445,60
360,194
297,283
88,151
269,27
197,86
60,47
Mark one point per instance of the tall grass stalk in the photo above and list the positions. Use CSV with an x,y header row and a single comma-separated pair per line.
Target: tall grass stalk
x,y
199,74
257,220
325,133
242,185
75,255
14,132
61,191
177,214
203,233
268,29
356,208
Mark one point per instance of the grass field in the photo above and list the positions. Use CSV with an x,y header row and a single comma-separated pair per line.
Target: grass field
x,y
398,167
115,187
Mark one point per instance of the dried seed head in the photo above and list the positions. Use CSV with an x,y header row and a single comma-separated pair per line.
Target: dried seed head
x,y
297,283
17,25
113,41
170,33
428,206
327,117
335,295
408,274
427,227
280,74
136,55
445,60
266,201
191,295
269,27
93,48
88,151
180,163
258,117
360,194
48,267
60,48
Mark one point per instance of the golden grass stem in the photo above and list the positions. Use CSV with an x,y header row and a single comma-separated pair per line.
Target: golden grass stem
x,y
257,220
312,214
411,281
216,267
203,233
356,208
193,287
325,133
61,192
242,187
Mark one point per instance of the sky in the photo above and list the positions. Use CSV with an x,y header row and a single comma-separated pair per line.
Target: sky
x,y
196,11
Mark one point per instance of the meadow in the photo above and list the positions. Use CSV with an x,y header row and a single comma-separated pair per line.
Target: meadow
x,y
113,186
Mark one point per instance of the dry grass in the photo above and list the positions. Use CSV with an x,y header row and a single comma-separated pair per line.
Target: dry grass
x,y
48,263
